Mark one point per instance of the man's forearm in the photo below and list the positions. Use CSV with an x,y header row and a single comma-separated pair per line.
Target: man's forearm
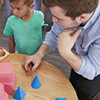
x,y
65,43
73,60
43,50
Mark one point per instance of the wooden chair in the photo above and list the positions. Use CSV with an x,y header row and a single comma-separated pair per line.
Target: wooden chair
x,y
2,2
43,10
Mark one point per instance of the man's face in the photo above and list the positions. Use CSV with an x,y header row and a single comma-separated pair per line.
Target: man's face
x,y
64,21
19,9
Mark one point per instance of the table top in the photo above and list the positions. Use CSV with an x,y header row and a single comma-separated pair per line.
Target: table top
x,y
54,84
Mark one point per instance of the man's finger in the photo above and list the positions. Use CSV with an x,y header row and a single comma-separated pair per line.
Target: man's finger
x,y
26,63
77,33
35,66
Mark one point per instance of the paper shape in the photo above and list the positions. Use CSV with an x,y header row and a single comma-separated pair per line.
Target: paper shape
x,y
36,83
7,77
3,94
19,94
1,89
61,98
6,72
9,86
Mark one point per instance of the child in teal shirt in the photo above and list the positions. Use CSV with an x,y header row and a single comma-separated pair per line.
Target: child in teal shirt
x,y
24,28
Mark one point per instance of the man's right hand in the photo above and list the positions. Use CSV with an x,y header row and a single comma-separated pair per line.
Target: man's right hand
x,y
34,59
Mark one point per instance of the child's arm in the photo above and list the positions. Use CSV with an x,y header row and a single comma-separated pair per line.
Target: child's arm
x,y
11,44
44,30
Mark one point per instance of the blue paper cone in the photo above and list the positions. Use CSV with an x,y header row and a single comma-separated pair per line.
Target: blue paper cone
x,y
19,94
61,98
36,83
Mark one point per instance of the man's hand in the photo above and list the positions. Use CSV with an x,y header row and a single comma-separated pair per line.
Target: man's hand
x,y
66,41
34,59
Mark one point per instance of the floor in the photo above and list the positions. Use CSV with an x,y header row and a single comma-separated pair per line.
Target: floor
x,y
53,58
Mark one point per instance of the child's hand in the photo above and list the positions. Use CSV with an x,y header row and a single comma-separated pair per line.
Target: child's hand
x,y
2,48
2,53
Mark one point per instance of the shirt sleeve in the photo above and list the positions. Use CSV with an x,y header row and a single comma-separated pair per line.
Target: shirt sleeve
x,y
8,30
90,67
52,35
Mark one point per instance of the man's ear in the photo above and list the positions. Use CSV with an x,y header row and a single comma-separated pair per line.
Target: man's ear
x,y
31,6
82,18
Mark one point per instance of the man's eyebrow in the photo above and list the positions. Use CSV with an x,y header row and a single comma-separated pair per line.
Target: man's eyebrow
x,y
56,17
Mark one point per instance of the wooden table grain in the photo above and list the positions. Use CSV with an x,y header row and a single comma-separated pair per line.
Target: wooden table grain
x,y
54,84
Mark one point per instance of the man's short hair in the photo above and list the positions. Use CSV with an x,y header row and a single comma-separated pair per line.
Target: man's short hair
x,y
73,8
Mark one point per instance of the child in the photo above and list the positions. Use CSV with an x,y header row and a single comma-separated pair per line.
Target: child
x,y
24,28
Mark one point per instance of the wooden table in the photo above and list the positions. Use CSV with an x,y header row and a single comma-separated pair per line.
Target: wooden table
x,y
54,84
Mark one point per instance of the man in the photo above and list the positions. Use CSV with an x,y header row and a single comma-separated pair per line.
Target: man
x,y
75,21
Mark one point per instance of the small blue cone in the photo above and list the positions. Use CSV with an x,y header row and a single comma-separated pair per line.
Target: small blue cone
x,y
61,98
36,83
19,94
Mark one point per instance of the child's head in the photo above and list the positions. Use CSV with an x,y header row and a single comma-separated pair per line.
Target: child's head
x,y
21,8
73,8
26,2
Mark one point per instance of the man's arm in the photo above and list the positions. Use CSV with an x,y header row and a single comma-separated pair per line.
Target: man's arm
x,y
65,43
11,44
49,44
44,50
36,58
73,60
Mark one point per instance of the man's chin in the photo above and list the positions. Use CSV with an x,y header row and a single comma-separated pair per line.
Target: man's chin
x,y
64,28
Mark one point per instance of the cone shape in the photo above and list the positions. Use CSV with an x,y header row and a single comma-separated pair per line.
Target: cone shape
x,y
19,94
36,83
61,98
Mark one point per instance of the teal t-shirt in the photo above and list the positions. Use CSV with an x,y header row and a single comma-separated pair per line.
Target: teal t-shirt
x,y
28,36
